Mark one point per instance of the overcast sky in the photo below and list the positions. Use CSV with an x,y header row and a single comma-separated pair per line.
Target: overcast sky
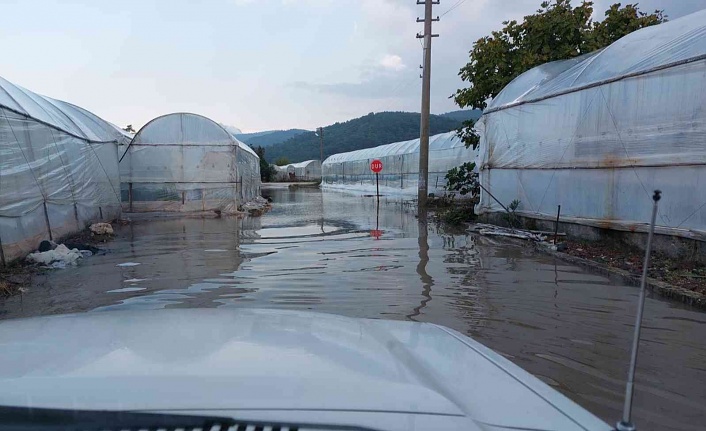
x,y
255,64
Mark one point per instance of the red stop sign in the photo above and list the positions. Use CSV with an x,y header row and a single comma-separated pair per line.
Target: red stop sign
x,y
376,166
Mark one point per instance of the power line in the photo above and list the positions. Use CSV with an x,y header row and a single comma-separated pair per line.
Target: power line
x,y
457,4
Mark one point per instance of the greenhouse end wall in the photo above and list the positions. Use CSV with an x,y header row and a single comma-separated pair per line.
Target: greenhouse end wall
x,y
59,172
186,163
566,134
400,174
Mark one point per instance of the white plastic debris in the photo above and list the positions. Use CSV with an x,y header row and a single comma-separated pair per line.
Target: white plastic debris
x,y
101,228
60,257
493,230
128,264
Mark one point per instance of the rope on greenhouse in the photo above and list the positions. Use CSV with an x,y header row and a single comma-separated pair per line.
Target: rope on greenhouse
x,y
569,144
627,154
29,165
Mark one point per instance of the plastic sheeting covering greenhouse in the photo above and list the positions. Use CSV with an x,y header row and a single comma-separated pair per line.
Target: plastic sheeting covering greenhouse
x,y
599,133
400,161
307,170
58,170
187,162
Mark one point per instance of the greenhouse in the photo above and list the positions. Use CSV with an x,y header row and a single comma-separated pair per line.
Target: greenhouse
x,y
283,173
187,162
400,161
597,134
307,171
58,171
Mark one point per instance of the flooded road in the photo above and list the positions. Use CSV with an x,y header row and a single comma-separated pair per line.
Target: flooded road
x,y
315,251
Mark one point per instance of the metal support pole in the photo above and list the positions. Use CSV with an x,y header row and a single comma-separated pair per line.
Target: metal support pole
x,y
2,254
626,423
321,144
556,225
78,224
377,186
422,191
129,193
46,219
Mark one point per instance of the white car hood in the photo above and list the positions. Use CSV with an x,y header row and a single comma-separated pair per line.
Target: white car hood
x,y
271,361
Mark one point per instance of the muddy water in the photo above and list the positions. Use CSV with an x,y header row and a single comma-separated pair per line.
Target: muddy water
x,y
315,251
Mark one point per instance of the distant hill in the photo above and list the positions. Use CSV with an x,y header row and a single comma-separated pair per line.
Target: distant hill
x,y
368,131
466,114
269,137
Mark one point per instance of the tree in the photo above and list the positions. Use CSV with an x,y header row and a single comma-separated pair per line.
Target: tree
x,y
267,172
557,31
129,128
282,161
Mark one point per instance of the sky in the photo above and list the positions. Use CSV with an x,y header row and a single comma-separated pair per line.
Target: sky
x,y
255,64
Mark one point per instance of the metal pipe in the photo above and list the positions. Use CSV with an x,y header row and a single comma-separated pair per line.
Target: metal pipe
x,y
626,423
2,254
129,193
556,225
46,219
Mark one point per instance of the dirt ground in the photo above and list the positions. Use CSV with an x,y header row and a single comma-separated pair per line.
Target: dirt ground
x,y
681,273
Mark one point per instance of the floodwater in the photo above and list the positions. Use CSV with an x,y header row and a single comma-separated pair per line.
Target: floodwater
x,y
332,252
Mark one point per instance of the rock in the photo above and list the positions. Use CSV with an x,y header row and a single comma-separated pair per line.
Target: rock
x,y
101,228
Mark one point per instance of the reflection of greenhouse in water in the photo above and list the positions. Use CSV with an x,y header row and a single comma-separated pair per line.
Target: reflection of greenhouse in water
x,y
58,170
187,162
400,165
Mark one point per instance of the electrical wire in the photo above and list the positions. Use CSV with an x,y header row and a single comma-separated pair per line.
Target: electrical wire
x,y
457,4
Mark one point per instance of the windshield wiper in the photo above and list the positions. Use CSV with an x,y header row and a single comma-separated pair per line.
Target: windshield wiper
x,y
28,418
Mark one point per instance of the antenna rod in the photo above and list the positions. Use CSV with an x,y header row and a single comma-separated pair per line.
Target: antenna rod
x,y
626,423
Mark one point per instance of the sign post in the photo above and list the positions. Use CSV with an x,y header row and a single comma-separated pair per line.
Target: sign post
x,y
376,166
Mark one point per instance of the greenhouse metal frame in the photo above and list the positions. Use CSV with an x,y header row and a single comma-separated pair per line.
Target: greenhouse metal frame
x,y
400,161
186,162
598,133
58,170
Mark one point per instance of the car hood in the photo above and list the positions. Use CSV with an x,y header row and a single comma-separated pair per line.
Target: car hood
x,y
271,361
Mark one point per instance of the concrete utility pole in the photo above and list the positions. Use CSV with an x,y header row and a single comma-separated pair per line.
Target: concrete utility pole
x,y
426,90
320,132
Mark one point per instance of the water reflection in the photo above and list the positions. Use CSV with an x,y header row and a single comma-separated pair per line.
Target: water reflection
x,y
424,277
315,251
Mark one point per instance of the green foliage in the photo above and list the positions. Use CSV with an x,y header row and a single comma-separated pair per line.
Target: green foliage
x,y
557,31
457,215
468,134
267,172
462,179
365,132
282,161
